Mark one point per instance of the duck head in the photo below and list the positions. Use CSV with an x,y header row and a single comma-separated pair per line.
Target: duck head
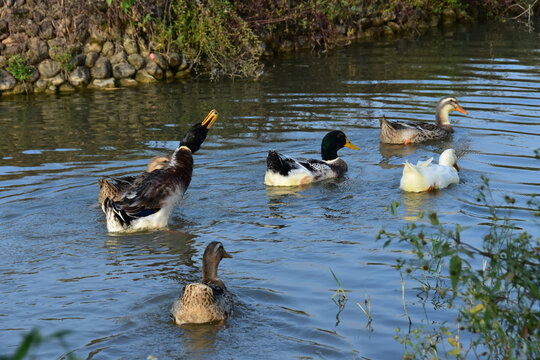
x,y
197,134
212,256
332,142
156,163
445,106
449,158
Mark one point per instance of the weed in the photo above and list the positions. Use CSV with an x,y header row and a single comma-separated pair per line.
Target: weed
x,y
497,303
367,310
64,58
213,34
339,292
17,66
33,340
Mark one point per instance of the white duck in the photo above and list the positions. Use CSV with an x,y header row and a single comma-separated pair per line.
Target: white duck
x,y
425,176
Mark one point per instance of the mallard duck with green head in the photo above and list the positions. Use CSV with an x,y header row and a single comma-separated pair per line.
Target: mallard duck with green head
x,y
208,300
150,199
286,171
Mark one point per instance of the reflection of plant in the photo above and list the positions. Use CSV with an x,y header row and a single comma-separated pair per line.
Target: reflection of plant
x,y
340,292
494,287
33,340
17,66
367,309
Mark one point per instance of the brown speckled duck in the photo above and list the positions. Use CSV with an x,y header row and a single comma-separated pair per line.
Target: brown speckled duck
x,y
150,199
401,132
115,187
208,300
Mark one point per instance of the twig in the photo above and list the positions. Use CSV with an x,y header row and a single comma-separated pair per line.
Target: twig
x,y
403,297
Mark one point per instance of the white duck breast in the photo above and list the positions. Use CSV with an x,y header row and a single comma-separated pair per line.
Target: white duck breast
x,y
425,176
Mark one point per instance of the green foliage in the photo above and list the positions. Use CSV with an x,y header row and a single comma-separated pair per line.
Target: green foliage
x,y
64,58
124,4
18,67
423,342
497,301
32,340
228,37
212,34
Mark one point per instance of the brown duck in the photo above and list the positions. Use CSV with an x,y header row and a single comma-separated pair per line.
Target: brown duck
x,y
208,300
401,132
150,199
115,187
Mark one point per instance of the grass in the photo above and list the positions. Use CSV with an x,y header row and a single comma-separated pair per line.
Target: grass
x,y
339,293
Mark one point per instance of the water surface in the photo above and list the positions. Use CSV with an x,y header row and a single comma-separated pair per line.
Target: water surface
x,y
59,269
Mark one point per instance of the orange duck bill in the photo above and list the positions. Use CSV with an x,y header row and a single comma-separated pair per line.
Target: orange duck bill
x,y
461,110
210,119
351,145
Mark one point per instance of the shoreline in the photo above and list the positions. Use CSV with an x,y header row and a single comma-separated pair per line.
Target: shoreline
x,y
48,48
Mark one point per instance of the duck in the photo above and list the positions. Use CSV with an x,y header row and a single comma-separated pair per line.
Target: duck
x,y
115,187
425,176
287,171
401,132
209,300
149,201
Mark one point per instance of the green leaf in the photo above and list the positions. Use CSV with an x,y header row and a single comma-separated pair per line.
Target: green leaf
x,y
33,338
534,290
455,270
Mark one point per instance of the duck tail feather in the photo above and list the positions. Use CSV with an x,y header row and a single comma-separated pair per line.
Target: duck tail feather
x,y
383,120
409,168
275,163
112,210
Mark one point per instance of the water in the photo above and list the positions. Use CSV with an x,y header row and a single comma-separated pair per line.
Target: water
x,y
61,270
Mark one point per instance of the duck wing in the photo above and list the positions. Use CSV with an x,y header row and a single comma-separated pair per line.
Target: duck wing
x,y
425,162
280,163
398,132
317,167
430,131
148,193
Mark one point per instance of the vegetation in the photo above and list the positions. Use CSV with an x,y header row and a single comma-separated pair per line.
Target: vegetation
x,y
230,37
213,33
33,340
494,288
227,37
64,58
18,67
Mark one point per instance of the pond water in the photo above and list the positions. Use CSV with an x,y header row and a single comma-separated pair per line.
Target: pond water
x,y
60,270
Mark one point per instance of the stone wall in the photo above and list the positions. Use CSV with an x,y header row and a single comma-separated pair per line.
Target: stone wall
x,y
65,49
67,45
